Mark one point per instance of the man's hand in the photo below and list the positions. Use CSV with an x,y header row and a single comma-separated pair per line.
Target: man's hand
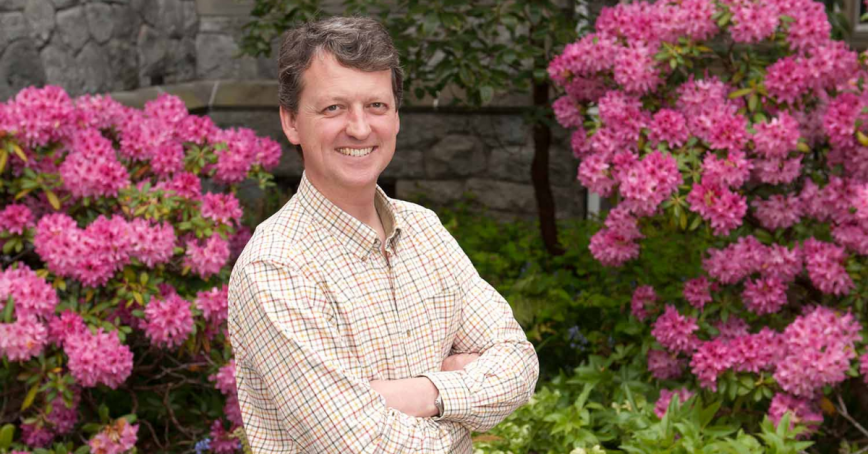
x,y
458,361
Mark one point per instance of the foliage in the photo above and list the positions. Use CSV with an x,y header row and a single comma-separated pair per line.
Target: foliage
x,y
115,259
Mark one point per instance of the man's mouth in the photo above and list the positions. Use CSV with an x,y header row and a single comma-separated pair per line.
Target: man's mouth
x,y
356,152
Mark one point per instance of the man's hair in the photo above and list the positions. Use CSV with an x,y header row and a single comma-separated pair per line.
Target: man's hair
x,y
356,42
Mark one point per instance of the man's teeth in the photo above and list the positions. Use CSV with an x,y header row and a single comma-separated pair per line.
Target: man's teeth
x,y
355,151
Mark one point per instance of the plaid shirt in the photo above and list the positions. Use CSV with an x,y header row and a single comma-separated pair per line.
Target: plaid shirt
x,y
317,311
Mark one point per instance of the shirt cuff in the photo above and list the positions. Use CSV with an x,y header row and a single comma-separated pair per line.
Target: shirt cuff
x,y
453,392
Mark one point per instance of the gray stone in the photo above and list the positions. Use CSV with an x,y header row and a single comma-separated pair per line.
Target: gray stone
x,y
437,192
61,69
153,47
191,18
99,21
511,163
127,22
72,27
13,26
224,7
20,67
252,93
222,25
406,164
147,10
218,59
123,65
500,131
40,16
423,130
290,162
455,155
12,5
569,201
94,65
60,4
170,17
503,196
181,61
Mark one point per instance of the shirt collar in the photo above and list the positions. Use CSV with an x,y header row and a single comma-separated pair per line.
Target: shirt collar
x,y
360,239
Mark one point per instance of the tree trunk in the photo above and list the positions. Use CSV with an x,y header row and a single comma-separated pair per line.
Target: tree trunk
x,y
539,173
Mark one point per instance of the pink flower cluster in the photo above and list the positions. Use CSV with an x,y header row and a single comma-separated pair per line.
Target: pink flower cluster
x,y
94,254
221,208
97,358
116,438
642,297
675,332
802,411
207,259
16,219
214,304
662,405
225,382
168,321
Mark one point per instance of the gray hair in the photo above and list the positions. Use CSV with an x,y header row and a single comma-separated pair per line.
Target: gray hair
x,y
356,42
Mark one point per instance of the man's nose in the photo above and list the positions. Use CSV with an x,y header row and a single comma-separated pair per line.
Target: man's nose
x,y
357,124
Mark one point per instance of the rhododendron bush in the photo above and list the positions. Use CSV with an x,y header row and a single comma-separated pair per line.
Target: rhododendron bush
x,y
741,121
115,258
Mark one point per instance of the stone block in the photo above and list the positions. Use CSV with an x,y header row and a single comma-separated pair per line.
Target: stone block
x,y
419,130
136,98
290,165
152,47
502,195
237,93
455,155
169,17
13,26
126,22
224,25
181,61
191,18
123,65
437,192
195,95
500,131
217,58
569,201
72,28
61,69
61,4
20,67
224,7
510,163
94,65
40,16
406,164
99,21
12,5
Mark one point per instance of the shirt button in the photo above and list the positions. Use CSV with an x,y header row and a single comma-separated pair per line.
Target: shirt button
x,y
408,333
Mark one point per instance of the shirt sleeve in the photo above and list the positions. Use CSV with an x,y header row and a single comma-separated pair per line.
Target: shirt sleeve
x,y
504,377
299,384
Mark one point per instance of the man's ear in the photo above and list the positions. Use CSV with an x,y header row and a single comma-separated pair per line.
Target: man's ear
x,y
288,122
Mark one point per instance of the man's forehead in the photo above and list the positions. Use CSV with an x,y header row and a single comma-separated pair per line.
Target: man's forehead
x,y
344,82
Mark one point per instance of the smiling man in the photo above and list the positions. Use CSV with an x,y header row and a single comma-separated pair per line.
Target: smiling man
x,y
357,322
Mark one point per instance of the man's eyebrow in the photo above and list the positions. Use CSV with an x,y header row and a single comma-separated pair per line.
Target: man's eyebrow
x,y
341,99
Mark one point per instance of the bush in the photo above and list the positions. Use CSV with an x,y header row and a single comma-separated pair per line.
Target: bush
x,y
738,129
115,261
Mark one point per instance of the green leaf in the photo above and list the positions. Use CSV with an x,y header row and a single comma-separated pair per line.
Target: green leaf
x,y
31,396
740,93
486,93
6,435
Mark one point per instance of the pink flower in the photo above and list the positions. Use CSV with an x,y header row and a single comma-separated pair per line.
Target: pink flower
x,y
674,331
22,339
214,304
184,184
36,435
694,19
662,405
668,126
642,297
649,182
170,109
636,69
68,324
116,438
238,241
567,113
717,204
589,55
98,358
595,174
736,261
93,176
222,208
777,138
208,259
732,172
697,292
778,171
616,242
825,265
63,418
810,27
820,345
710,360
98,111
663,365
782,263
221,442
778,212
151,244
622,114
33,296
863,367
753,22
40,116
16,219
225,379
787,79
168,321
754,352
703,96
732,328
196,129
803,411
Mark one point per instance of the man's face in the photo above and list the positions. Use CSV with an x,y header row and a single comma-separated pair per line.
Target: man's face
x,y
346,124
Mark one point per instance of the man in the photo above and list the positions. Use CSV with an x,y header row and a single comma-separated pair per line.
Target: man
x,y
358,323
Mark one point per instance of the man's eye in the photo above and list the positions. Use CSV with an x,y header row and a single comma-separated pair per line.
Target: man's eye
x,y
332,108
377,105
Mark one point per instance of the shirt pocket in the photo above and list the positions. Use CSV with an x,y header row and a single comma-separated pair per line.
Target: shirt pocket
x,y
443,311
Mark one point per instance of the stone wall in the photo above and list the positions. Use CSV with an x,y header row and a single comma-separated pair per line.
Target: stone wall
x,y
92,46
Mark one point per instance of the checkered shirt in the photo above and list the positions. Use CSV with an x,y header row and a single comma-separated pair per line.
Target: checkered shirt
x,y
316,311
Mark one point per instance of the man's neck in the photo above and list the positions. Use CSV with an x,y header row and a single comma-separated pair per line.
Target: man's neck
x,y
358,203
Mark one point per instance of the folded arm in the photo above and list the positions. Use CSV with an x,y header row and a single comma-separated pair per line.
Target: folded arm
x,y
298,380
